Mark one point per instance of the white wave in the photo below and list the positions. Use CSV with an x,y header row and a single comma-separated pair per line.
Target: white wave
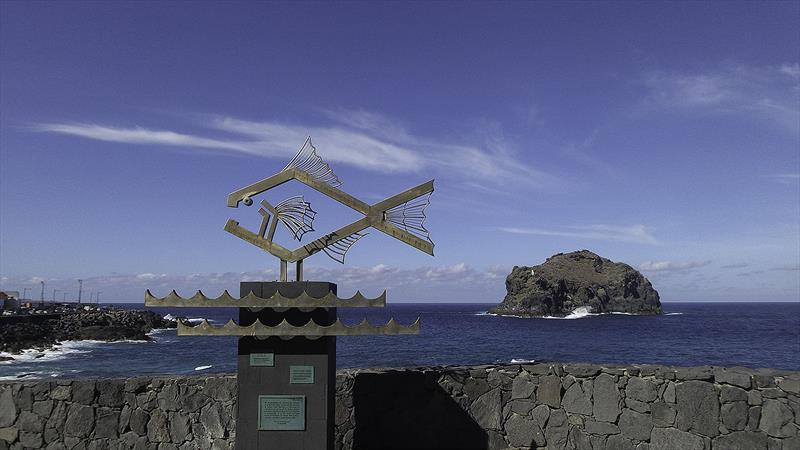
x,y
203,367
673,314
57,352
197,320
521,361
30,375
172,318
87,342
156,331
61,350
577,313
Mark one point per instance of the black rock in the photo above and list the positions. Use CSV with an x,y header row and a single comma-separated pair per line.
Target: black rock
x,y
568,281
101,325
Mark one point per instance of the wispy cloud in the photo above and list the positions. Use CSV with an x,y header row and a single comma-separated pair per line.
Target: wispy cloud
x,y
356,138
787,267
735,266
771,92
637,234
666,266
582,153
138,135
404,283
786,178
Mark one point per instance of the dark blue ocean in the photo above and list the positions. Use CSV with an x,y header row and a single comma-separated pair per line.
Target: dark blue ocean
x,y
727,334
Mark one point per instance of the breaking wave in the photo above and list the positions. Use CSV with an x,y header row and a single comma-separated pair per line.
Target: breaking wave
x,y
172,318
577,313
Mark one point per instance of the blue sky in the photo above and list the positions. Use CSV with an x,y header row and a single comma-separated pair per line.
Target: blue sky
x,y
663,135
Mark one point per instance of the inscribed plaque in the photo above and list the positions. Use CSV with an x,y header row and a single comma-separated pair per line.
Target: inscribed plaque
x,y
262,359
301,374
282,412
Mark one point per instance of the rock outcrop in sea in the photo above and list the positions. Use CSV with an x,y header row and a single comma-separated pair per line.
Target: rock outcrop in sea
x,y
102,325
569,281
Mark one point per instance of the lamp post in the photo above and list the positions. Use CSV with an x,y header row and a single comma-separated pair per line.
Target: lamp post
x,y
54,295
24,293
80,290
42,299
97,298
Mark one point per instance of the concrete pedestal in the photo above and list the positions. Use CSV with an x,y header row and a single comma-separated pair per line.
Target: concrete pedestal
x,y
261,379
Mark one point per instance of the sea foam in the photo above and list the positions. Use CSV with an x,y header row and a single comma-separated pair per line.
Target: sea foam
x,y
172,318
577,313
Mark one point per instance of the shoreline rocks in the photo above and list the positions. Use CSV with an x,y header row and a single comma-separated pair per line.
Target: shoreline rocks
x,y
101,325
569,281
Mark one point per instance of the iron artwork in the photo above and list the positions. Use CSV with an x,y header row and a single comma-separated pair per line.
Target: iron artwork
x,y
277,300
401,216
286,350
311,329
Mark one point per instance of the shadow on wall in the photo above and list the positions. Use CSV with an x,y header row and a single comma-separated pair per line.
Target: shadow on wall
x,y
407,409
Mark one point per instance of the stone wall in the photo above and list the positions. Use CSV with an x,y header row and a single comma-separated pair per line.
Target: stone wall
x,y
135,413
554,406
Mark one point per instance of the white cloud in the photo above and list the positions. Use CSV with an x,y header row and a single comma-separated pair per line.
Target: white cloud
x,y
138,135
788,267
664,266
637,234
403,283
786,178
358,138
793,70
150,276
770,93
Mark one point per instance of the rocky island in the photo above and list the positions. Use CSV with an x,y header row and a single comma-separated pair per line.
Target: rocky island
x,y
568,281
18,333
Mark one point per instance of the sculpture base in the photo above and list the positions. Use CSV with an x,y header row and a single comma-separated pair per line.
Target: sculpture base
x,y
287,387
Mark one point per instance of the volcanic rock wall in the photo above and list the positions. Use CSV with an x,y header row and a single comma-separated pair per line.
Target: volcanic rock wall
x,y
580,406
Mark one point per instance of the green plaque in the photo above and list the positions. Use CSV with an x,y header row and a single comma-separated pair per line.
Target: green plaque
x,y
262,359
282,412
301,374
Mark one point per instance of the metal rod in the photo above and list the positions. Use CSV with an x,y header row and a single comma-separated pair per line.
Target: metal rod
x,y
283,271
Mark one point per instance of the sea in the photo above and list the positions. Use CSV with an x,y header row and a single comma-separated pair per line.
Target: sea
x,y
687,334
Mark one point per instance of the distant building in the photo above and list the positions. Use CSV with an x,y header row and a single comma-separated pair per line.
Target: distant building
x,y
9,299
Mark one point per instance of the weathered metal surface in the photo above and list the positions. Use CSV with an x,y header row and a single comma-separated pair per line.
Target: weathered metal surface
x,y
400,216
310,329
277,300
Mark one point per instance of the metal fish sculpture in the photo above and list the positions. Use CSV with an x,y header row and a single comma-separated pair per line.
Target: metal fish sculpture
x,y
401,216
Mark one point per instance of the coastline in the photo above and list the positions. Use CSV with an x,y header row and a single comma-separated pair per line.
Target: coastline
x,y
44,332
731,334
